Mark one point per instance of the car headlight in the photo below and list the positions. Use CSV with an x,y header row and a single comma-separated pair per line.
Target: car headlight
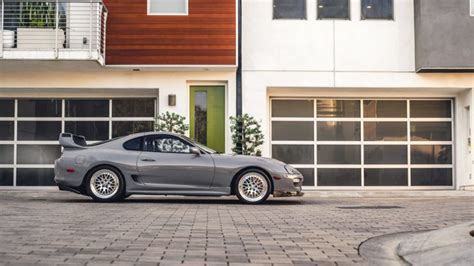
x,y
291,170
293,173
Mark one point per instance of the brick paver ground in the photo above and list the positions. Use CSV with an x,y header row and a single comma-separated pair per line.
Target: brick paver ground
x,y
63,228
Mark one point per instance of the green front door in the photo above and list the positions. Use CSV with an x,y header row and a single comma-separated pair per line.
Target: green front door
x,y
207,109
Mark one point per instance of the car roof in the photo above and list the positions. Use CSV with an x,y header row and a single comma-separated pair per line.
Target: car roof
x,y
152,133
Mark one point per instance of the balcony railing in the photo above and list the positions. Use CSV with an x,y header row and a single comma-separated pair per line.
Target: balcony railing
x,y
46,30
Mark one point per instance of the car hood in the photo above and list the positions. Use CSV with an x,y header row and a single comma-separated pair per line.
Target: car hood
x,y
252,160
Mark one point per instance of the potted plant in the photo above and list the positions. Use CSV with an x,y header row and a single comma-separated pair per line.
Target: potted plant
x,y
247,135
37,28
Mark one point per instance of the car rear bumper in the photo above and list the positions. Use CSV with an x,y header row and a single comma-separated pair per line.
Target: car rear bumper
x,y
64,187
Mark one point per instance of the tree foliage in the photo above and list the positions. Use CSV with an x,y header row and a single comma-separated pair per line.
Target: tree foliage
x,y
247,135
171,122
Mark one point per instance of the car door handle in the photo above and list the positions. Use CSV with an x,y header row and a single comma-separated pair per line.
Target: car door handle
x,y
147,160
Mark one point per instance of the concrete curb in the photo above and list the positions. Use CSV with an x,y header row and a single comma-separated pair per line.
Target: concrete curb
x,y
448,246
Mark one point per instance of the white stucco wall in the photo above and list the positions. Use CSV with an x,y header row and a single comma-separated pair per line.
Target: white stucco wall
x,y
345,58
464,154
327,45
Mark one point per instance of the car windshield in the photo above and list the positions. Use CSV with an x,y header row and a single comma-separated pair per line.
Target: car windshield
x,y
199,145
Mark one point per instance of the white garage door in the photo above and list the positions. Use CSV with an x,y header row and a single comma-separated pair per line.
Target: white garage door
x,y
365,142
30,128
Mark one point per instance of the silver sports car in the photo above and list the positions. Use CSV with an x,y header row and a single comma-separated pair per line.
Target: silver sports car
x,y
168,164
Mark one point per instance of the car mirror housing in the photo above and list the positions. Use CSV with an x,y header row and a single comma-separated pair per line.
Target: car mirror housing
x,y
195,151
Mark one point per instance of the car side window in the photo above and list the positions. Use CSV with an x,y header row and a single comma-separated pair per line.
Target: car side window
x,y
134,144
166,144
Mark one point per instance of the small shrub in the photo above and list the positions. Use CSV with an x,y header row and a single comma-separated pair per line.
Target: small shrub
x,y
171,122
247,135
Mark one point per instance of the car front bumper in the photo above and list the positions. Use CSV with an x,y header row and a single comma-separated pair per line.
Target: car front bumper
x,y
280,194
288,185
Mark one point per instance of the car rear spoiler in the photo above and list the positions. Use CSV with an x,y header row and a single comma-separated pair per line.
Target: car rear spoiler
x,y
68,140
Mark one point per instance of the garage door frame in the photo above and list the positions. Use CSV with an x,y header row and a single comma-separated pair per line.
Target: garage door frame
x,y
62,120
362,142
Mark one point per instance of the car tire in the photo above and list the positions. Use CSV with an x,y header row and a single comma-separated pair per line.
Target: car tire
x,y
105,184
252,187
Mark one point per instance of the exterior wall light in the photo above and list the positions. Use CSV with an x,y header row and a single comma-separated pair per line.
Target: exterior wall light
x,y
172,99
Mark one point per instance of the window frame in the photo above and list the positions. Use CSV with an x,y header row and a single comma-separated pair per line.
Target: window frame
x,y
305,12
471,8
340,19
149,13
387,19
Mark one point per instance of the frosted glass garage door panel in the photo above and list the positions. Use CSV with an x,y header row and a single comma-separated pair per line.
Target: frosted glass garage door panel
x,y
294,154
293,130
292,108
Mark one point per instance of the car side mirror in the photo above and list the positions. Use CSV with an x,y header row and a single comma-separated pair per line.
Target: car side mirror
x,y
195,151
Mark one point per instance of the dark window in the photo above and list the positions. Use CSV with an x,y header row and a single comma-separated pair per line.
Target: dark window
x,y
430,109
166,144
386,131
87,108
91,130
386,177
294,154
6,154
289,9
38,154
338,108
292,108
432,177
430,131
385,154
377,9
339,154
12,21
333,9
381,108
339,131
308,175
431,154
133,107
6,177
134,144
7,108
35,177
39,130
6,130
285,130
39,108
124,128
339,177
200,115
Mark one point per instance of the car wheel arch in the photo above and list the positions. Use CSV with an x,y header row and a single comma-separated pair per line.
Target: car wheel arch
x,y
248,168
95,167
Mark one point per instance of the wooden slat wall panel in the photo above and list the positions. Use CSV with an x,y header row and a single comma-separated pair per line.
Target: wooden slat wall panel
x,y
207,36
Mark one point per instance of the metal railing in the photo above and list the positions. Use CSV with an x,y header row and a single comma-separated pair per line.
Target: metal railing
x,y
53,29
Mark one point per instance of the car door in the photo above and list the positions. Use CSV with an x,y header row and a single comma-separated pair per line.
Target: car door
x,y
166,163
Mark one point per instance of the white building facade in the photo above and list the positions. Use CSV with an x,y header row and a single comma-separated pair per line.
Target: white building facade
x,y
89,74
335,86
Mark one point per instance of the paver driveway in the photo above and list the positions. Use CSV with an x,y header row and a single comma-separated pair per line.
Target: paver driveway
x,y
59,227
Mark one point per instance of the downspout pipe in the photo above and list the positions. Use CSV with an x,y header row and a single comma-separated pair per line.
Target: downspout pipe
x,y
239,59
